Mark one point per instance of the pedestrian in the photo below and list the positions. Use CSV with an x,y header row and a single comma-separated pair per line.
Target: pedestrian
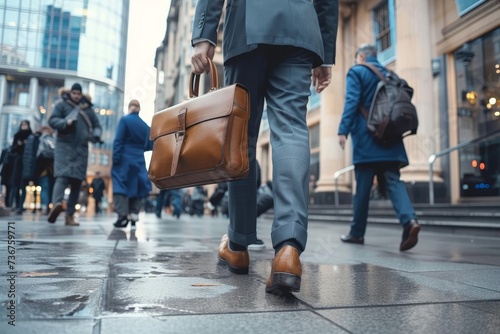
x,y
198,198
76,124
98,186
5,176
128,173
29,176
371,159
168,197
272,50
16,159
44,166
312,188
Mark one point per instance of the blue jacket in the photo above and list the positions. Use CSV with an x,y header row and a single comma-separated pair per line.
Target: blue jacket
x,y
360,88
129,174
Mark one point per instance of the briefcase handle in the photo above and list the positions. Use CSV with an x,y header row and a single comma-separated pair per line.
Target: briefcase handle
x,y
195,79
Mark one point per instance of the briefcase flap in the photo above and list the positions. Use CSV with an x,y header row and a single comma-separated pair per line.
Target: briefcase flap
x,y
214,104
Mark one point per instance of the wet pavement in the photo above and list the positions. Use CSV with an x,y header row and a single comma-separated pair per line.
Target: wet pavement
x,y
163,277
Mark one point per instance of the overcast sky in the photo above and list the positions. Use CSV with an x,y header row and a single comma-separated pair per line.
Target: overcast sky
x,y
147,27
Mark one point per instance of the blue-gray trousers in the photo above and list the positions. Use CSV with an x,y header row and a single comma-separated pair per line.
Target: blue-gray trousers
x,y
280,75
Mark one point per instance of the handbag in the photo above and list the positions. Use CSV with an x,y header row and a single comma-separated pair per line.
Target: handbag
x,y
202,140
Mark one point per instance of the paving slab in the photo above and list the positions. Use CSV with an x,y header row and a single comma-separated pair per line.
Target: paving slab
x,y
164,277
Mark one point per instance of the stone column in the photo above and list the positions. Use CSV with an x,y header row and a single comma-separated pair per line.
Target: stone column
x,y
332,157
413,63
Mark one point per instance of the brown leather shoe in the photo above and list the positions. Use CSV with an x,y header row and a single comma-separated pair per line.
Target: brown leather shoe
x,y
54,212
410,235
286,272
237,261
70,221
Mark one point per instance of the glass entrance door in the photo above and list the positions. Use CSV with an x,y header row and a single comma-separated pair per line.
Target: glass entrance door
x,y
477,65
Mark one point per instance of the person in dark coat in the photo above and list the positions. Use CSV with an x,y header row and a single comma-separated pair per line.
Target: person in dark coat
x,y
128,173
29,161
76,125
44,166
16,158
5,175
98,186
371,159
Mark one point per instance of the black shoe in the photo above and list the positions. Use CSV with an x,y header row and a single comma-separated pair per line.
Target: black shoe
x,y
352,240
54,212
121,222
410,235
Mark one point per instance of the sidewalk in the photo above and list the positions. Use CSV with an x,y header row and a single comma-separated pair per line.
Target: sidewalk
x,y
164,278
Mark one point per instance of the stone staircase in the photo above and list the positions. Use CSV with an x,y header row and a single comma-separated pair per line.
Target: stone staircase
x,y
468,218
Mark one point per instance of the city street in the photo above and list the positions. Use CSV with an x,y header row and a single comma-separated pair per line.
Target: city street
x,y
164,278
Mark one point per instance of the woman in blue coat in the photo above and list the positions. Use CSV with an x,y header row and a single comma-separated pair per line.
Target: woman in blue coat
x,y
129,175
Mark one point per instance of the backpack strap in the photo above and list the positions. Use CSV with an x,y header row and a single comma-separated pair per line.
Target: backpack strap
x,y
375,70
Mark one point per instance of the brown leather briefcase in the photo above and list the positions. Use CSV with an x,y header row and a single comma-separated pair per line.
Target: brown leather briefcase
x,y
202,140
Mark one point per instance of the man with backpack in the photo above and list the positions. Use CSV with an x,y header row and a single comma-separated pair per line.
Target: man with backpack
x,y
371,157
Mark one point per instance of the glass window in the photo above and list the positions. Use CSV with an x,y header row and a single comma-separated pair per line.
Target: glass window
x,y
384,29
477,66
465,6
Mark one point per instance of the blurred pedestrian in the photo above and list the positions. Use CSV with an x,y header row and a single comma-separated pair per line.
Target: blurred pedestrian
x,y
44,166
198,198
76,124
371,159
167,198
272,50
29,176
129,174
98,186
16,159
5,177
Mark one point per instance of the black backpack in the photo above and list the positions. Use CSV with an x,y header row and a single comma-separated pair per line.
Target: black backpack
x,y
392,116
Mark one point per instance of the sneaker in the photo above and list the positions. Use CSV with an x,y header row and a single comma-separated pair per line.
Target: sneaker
x,y
257,246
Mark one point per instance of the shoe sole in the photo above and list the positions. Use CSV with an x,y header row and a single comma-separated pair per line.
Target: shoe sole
x,y
123,223
412,239
55,213
353,242
256,247
284,283
235,270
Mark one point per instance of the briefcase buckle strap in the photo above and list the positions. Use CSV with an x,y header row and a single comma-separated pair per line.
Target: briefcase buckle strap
x,y
179,139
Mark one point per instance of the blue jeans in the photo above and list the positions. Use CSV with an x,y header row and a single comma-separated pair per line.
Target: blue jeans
x,y
396,190
46,194
166,197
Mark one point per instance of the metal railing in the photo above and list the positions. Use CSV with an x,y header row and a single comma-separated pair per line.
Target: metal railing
x,y
433,157
336,176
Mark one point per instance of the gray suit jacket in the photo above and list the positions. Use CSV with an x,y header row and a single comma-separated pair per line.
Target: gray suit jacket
x,y
309,24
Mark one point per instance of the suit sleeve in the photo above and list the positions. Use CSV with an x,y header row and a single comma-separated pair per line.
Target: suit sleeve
x,y
206,20
351,105
328,17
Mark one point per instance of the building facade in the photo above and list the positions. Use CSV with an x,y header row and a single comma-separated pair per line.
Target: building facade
x,y
49,44
448,51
